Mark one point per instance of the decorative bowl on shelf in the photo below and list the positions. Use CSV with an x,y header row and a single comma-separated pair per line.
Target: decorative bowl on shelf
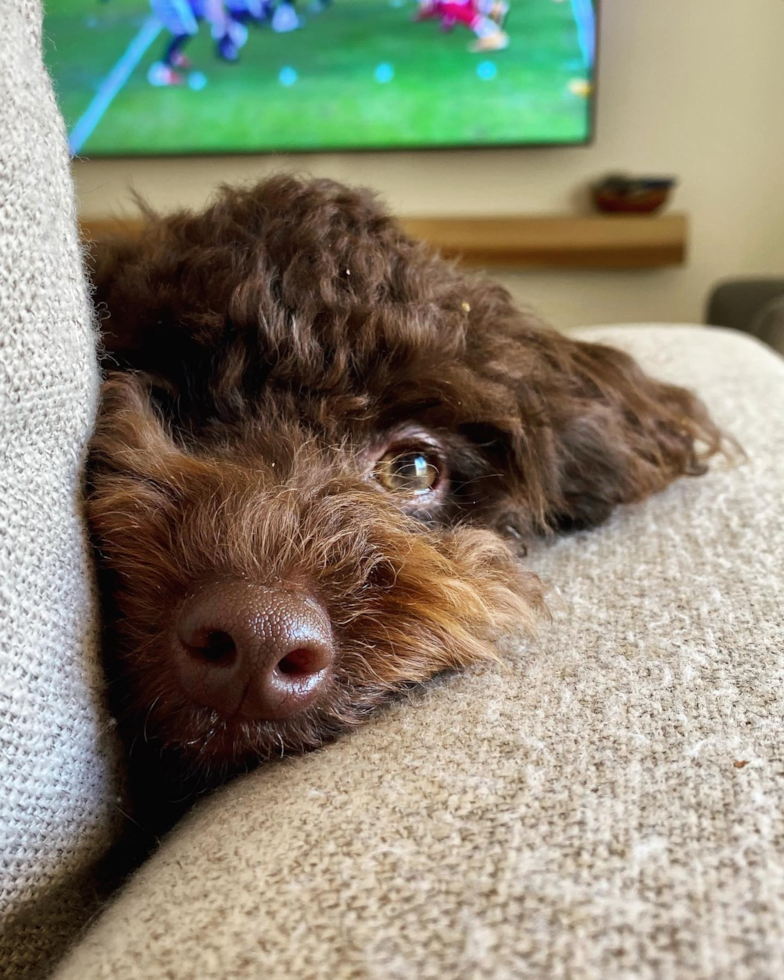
x,y
637,195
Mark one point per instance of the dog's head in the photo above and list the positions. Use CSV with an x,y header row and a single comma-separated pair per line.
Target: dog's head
x,y
318,451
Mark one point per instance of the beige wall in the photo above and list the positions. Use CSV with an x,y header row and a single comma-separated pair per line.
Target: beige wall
x,y
687,87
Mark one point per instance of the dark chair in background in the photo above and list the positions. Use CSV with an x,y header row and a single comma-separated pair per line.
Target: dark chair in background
x,y
754,306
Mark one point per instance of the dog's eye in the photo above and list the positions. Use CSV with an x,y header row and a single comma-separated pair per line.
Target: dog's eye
x,y
411,471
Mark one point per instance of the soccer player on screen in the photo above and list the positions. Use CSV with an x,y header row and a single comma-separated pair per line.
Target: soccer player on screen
x,y
484,17
181,19
282,16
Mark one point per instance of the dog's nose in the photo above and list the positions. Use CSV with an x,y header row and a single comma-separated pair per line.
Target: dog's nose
x,y
251,652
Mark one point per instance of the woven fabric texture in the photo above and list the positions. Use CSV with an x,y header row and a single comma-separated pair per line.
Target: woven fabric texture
x,y
609,807
56,764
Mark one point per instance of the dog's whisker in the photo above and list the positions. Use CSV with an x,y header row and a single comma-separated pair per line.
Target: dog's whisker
x,y
147,717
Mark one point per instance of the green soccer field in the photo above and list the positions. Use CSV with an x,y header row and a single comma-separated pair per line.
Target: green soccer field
x,y
359,75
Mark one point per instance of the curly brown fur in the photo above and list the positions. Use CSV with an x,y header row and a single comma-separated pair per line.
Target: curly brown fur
x,y
261,352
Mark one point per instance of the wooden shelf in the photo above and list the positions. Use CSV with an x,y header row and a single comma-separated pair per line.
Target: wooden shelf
x,y
537,242
559,241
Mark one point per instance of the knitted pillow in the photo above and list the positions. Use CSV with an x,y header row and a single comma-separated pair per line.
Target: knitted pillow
x,y
56,763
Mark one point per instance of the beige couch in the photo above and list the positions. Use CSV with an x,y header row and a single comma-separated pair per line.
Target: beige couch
x,y
608,806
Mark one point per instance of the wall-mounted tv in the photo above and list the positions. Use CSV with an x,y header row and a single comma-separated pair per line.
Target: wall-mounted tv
x,y
150,77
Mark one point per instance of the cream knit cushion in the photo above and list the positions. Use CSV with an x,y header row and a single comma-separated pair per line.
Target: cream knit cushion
x,y
55,770
609,808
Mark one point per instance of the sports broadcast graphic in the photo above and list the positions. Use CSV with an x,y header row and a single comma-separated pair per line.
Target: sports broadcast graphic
x,y
229,76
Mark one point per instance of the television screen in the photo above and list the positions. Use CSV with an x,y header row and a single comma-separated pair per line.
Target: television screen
x,y
232,76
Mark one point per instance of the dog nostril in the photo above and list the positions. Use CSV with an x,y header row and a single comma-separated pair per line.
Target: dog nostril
x,y
213,647
300,663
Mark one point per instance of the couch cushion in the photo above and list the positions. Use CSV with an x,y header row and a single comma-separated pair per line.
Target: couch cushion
x,y
56,784
610,806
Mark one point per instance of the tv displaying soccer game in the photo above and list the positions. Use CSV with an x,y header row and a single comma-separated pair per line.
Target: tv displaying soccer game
x,y
234,76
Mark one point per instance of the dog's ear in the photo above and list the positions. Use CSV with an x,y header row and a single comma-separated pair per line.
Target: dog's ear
x,y
621,435
584,428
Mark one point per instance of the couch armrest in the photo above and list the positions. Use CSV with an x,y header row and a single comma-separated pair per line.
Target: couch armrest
x,y
57,786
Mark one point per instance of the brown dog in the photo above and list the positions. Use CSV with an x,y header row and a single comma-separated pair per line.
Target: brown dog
x,y
319,448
